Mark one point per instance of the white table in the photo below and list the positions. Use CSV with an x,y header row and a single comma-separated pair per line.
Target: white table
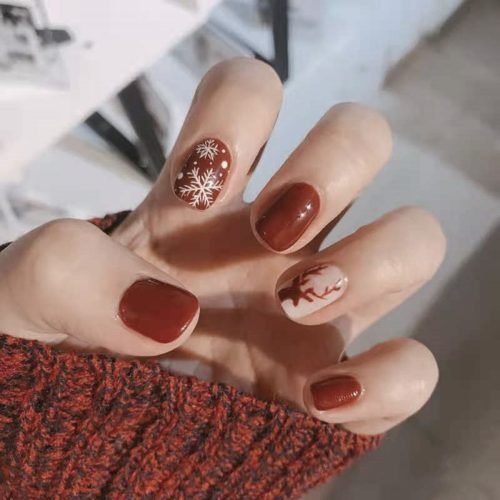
x,y
127,37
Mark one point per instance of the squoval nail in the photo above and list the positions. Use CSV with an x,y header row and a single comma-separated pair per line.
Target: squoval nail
x,y
157,310
335,392
286,220
201,178
311,290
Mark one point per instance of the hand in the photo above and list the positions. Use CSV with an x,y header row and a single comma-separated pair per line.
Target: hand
x,y
276,313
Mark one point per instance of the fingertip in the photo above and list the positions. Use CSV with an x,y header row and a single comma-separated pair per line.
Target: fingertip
x,y
364,131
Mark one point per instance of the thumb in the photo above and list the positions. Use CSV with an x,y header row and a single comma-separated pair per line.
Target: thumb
x,y
68,281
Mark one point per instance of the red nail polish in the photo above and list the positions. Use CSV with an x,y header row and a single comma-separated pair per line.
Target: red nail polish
x,y
286,220
335,391
201,179
157,310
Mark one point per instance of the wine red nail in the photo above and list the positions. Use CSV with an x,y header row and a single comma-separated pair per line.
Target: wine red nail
x,y
284,222
157,310
202,176
335,391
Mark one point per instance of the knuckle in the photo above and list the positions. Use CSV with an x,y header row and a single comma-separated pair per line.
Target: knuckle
x,y
432,248
56,247
69,232
361,132
399,271
434,236
420,248
398,276
424,219
358,113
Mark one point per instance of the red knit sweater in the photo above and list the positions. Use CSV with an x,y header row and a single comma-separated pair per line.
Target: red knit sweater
x,y
89,425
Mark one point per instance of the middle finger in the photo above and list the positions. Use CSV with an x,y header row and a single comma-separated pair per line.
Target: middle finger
x,y
338,158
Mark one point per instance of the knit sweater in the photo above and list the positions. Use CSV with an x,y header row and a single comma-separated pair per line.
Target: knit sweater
x,y
78,425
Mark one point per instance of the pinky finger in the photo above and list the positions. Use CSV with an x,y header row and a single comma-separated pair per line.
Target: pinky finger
x,y
376,390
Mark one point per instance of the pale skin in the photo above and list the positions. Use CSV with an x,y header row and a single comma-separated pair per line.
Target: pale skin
x,y
62,282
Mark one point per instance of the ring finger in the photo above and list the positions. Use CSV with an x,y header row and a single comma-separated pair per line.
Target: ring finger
x,y
371,269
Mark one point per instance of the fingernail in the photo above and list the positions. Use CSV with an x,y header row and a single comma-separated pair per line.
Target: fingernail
x,y
312,290
284,222
157,310
202,176
335,391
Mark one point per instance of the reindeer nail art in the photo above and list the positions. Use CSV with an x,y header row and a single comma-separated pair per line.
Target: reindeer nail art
x,y
312,290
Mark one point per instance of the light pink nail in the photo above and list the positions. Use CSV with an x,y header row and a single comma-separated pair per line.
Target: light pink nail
x,y
312,290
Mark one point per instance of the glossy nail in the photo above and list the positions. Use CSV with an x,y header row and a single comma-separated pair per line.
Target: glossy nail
x,y
201,178
335,391
312,290
286,220
157,310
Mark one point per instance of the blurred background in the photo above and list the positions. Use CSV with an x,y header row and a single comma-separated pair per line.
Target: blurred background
x,y
93,94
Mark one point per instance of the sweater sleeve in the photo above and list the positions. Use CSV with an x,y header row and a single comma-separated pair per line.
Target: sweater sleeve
x,y
89,425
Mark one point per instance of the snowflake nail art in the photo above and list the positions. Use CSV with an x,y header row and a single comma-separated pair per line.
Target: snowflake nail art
x,y
208,149
202,176
312,290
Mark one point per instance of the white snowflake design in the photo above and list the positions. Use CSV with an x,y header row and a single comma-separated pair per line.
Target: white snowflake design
x,y
201,188
208,149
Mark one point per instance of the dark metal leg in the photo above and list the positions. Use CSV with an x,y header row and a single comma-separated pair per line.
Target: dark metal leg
x,y
275,13
109,133
150,158
134,105
279,15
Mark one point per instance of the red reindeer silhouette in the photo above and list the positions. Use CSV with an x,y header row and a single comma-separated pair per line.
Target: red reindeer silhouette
x,y
296,292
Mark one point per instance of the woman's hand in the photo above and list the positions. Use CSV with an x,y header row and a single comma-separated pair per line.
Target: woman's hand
x,y
276,313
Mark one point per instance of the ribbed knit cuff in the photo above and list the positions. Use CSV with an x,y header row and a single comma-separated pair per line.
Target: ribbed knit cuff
x,y
91,425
